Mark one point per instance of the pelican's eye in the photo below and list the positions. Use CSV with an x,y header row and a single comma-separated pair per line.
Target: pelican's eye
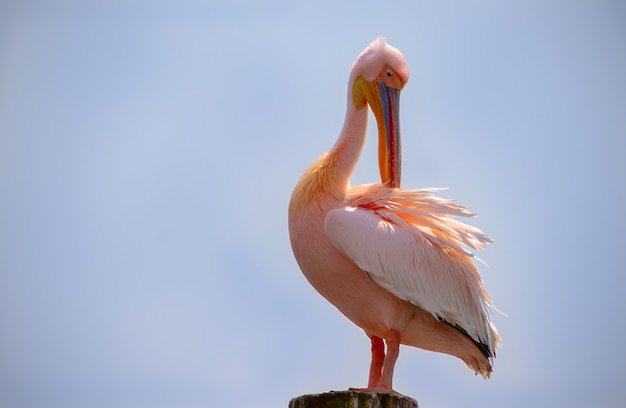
x,y
388,73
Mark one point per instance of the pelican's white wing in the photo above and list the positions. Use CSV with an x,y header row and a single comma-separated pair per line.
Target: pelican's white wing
x,y
407,242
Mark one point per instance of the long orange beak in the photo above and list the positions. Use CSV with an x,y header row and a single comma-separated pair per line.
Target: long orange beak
x,y
384,99
389,146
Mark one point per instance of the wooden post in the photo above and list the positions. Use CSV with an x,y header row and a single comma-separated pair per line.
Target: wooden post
x,y
353,399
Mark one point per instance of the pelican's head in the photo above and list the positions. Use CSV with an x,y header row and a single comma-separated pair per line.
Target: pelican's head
x,y
377,77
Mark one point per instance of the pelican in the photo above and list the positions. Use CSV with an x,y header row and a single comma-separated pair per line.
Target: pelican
x,y
394,261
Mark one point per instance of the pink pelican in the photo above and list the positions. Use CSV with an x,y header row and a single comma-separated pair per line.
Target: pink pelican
x,y
392,260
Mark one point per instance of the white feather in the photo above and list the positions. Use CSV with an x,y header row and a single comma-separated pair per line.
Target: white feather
x,y
407,243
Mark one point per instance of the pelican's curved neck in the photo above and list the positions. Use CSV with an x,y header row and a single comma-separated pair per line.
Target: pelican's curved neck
x,y
349,145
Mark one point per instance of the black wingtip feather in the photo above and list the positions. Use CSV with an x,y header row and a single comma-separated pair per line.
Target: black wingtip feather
x,y
484,348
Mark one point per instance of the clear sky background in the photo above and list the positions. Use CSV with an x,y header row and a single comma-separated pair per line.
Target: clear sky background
x,y
148,150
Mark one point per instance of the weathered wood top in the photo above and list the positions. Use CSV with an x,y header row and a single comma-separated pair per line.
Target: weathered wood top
x,y
353,399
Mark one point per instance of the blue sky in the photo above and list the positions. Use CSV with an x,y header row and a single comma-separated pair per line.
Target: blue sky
x,y
147,155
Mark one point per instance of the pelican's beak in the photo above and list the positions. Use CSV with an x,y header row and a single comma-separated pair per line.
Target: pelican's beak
x,y
384,100
389,148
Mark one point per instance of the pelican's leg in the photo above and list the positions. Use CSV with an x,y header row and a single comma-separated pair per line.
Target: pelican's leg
x,y
378,358
393,349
